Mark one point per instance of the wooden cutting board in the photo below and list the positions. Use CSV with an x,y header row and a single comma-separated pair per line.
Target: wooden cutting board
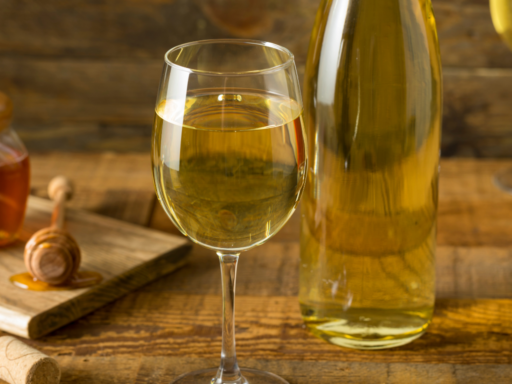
x,y
128,256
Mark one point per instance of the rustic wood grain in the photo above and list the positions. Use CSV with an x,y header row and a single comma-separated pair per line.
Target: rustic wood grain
x,y
161,370
173,325
467,37
118,186
473,211
127,257
464,331
81,91
90,105
110,29
479,272
84,75
477,115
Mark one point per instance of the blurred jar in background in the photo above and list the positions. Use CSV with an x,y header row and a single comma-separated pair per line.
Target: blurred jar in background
x,y
14,176
241,18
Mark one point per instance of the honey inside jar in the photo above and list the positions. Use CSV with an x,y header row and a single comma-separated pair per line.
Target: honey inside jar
x,y
14,176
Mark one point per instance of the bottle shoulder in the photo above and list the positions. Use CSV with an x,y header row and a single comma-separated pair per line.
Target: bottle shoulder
x,y
380,35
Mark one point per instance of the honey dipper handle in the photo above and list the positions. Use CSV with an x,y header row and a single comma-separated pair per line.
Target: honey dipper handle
x,y
60,189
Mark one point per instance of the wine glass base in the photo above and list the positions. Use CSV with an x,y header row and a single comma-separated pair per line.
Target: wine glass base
x,y
250,376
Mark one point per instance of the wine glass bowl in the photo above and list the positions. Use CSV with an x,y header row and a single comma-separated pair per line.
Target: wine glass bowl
x,y
229,159
235,186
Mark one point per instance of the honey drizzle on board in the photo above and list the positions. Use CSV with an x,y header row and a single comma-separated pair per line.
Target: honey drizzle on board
x,y
82,279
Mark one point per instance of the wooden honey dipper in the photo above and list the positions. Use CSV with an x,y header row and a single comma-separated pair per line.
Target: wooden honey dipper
x,y
52,255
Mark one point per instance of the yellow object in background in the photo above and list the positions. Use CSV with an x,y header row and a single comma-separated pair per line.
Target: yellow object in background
x,y
501,12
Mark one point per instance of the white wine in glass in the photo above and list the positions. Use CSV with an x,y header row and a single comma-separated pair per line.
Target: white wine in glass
x,y
241,172
229,160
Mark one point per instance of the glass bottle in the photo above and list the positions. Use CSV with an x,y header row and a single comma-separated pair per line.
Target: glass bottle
x,y
14,176
373,113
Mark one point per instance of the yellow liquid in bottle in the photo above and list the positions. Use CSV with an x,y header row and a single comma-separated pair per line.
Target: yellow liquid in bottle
x,y
373,109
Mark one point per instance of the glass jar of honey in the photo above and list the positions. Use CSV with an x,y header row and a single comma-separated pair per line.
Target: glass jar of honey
x,y
14,176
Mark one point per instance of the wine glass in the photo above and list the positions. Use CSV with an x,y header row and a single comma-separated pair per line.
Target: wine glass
x,y
229,160
501,12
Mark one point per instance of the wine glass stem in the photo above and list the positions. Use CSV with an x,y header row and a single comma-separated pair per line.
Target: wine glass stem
x,y
229,372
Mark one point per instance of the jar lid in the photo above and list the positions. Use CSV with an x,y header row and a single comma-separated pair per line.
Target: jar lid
x,y
5,111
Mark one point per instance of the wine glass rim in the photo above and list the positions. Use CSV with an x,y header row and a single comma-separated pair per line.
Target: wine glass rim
x,y
274,68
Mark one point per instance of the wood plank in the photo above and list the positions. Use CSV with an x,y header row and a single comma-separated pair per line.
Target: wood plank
x,y
127,257
477,118
87,79
81,91
162,369
94,172
98,136
181,316
107,29
173,325
473,211
182,324
119,186
58,106
474,272
145,29
467,37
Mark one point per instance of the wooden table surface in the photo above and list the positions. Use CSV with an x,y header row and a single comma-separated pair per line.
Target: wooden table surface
x,y
173,325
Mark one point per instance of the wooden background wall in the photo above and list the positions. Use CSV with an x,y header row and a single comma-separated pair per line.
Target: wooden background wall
x,y
83,74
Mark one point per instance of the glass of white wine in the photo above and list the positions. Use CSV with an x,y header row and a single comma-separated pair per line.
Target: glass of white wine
x,y
229,160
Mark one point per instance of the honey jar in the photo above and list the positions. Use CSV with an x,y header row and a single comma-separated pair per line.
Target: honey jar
x,y
14,176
